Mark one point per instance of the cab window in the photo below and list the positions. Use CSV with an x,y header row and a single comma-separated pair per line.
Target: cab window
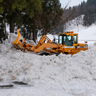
x,y
66,40
69,40
75,39
60,39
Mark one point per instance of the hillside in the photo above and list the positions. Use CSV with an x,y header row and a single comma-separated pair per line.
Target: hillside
x,y
87,8
84,33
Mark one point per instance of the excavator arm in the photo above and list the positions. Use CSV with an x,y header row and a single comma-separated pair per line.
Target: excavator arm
x,y
19,37
43,44
43,39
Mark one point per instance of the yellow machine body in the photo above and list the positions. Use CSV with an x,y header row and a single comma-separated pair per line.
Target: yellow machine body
x,y
67,44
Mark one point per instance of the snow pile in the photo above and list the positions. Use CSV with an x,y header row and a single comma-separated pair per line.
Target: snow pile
x,y
7,43
61,75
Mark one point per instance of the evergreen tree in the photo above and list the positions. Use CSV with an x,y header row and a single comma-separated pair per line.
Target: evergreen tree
x,y
90,14
47,21
26,14
51,15
14,9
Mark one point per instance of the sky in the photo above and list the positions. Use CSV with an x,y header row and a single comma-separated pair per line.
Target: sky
x,y
72,2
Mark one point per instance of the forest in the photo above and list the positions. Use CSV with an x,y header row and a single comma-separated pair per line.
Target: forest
x,y
29,15
45,15
88,9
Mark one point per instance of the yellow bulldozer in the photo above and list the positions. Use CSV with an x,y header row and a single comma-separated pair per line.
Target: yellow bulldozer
x,y
67,44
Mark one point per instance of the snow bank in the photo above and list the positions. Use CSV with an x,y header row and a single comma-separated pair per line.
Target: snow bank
x,y
7,43
61,75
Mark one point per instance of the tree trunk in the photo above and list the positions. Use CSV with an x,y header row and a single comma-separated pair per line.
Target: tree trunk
x,y
5,26
5,31
1,40
11,26
35,35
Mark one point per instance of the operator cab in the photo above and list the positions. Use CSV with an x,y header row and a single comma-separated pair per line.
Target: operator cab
x,y
67,39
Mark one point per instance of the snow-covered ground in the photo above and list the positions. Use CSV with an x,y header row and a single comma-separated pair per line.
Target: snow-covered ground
x,y
61,75
85,33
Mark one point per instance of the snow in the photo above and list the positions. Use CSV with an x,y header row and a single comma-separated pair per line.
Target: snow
x,y
52,75
84,33
75,24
